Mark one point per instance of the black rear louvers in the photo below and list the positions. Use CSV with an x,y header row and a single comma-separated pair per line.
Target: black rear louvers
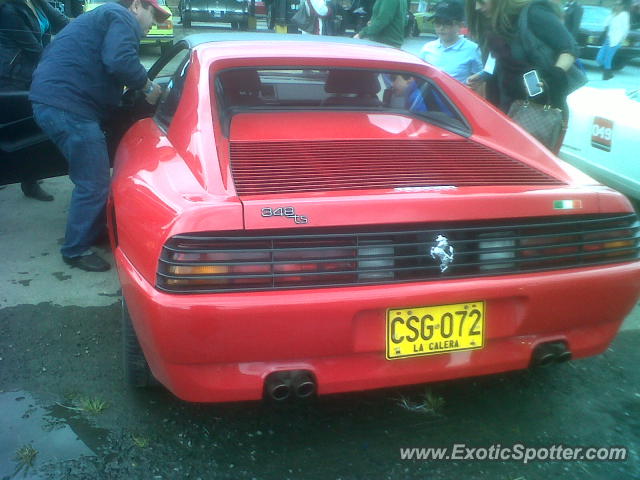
x,y
262,168
240,261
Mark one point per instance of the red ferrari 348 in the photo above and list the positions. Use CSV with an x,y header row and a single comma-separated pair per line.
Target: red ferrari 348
x,y
305,215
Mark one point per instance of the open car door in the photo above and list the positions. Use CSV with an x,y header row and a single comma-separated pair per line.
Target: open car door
x,y
27,152
24,148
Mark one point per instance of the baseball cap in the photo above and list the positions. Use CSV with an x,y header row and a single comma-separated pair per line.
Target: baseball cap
x,y
449,10
159,13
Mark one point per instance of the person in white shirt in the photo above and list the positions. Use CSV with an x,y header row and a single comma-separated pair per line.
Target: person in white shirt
x,y
318,9
618,25
451,52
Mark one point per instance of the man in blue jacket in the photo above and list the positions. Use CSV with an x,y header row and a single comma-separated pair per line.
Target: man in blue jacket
x,y
77,84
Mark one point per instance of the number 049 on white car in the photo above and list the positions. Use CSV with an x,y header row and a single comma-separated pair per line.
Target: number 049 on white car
x,y
602,137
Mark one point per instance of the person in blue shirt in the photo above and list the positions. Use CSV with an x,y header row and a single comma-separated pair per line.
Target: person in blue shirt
x,y
75,87
451,52
406,94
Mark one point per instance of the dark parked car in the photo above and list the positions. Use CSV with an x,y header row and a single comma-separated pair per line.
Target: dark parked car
x,y
591,36
235,12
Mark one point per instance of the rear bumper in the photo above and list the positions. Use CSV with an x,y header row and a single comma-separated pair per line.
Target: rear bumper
x,y
221,347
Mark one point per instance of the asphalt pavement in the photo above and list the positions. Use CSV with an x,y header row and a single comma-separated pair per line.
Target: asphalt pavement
x,y
68,415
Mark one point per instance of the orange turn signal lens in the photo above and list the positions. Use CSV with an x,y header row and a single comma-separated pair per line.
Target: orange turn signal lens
x,y
199,270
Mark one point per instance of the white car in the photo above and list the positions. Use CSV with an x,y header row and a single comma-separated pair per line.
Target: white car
x,y
603,137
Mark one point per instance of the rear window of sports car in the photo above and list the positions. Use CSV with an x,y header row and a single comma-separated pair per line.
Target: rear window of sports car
x,y
242,89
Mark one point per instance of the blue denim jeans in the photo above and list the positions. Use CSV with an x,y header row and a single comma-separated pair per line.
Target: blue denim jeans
x,y
83,144
606,54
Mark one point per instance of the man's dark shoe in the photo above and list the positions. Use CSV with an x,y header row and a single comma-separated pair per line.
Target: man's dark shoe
x,y
88,263
32,189
607,75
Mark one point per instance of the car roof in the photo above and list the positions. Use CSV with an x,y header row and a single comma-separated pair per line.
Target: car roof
x,y
265,45
199,38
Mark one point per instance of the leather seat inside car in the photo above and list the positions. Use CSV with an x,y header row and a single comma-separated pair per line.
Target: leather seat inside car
x,y
352,87
241,87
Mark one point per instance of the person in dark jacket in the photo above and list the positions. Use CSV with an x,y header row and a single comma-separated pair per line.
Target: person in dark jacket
x,y
494,24
75,87
26,27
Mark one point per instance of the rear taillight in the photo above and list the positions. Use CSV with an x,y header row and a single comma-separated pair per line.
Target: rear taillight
x,y
227,265
496,250
610,244
264,261
375,260
586,247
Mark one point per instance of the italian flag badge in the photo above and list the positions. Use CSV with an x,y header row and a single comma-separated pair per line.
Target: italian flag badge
x,y
567,204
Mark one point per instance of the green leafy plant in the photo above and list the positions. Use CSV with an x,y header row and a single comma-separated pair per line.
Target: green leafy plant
x,y
140,441
427,403
25,457
92,405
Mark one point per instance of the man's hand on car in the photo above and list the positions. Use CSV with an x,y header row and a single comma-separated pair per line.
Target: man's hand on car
x,y
152,92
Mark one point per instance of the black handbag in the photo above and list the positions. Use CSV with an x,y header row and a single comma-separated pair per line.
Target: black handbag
x,y
542,121
303,18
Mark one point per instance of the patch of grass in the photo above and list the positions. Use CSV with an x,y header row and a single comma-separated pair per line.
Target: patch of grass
x,y
427,403
140,441
92,405
433,401
25,457
86,405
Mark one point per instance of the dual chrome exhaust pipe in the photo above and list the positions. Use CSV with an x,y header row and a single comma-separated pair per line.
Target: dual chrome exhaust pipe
x,y
548,353
301,384
279,386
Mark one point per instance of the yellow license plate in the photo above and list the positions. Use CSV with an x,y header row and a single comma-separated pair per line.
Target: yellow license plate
x,y
419,331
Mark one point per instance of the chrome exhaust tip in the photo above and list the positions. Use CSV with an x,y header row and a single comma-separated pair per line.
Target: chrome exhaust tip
x,y
279,386
551,352
542,356
563,354
304,386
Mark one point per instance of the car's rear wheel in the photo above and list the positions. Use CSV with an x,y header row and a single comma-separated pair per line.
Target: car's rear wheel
x,y
136,369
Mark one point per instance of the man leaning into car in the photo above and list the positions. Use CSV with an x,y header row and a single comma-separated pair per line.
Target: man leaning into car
x,y
77,84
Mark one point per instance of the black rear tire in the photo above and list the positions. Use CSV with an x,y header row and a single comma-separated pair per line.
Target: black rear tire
x,y
136,369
